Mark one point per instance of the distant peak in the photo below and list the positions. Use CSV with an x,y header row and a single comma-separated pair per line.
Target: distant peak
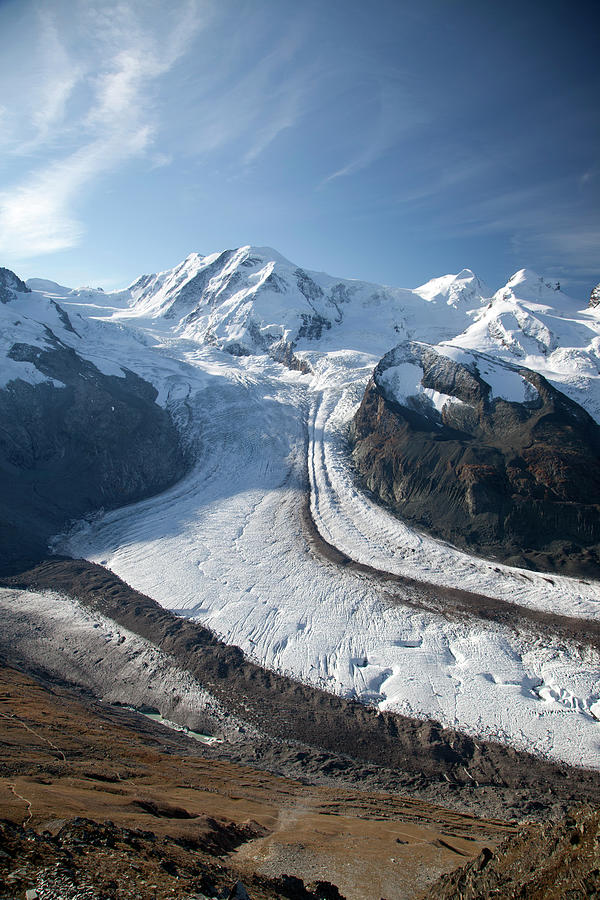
x,y
465,287
525,275
529,285
269,253
45,286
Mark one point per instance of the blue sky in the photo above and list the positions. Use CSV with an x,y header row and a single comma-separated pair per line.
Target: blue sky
x,y
388,141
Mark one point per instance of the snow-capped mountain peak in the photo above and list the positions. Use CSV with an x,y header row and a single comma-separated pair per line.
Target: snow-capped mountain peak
x,y
252,300
528,285
466,288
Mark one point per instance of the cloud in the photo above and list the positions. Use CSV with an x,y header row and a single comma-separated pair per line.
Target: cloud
x,y
547,225
36,217
255,89
161,160
60,77
395,115
115,124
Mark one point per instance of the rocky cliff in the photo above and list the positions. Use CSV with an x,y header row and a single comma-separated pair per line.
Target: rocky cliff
x,y
74,439
484,454
10,285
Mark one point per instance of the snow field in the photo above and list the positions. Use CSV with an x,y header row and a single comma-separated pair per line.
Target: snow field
x,y
226,547
226,544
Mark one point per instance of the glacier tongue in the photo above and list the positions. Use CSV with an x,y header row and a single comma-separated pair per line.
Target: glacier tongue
x,y
226,544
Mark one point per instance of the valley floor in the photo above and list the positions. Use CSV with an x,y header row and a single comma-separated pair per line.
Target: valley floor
x,y
97,801
227,547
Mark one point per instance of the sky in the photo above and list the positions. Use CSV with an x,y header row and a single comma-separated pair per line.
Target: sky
x,y
391,140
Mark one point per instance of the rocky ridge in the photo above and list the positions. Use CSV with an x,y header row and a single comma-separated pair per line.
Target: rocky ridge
x,y
516,477
11,285
74,438
560,860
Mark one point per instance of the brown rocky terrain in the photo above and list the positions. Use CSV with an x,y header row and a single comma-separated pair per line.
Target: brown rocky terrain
x,y
558,860
302,731
98,802
513,481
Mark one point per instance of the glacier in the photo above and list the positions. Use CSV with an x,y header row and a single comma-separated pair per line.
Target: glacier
x,y
228,545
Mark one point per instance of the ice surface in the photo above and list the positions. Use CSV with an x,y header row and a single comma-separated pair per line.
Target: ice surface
x,y
226,545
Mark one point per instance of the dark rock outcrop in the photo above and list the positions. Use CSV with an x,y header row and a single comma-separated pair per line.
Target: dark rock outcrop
x,y
519,481
70,445
283,352
595,296
9,284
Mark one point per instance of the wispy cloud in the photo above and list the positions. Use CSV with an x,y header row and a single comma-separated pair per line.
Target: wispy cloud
x,y
547,225
36,103
115,123
37,217
253,91
394,115
61,75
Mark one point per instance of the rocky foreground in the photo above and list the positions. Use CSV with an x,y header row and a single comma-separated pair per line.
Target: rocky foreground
x,y
304,795
98,802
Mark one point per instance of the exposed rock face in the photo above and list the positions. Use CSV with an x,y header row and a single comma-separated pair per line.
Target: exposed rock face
x,y
9,283
515,480
595,296
70,445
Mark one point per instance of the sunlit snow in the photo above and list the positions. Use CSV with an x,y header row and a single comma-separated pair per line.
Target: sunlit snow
x,y
226,545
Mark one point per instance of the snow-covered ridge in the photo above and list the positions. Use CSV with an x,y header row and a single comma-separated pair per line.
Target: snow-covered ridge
x,y
400,376
531,323
250,299
465,288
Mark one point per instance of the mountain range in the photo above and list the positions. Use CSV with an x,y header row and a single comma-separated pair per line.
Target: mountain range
x,y
376,494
